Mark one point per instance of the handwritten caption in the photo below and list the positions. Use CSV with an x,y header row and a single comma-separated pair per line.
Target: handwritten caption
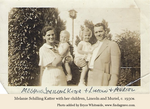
x,y
76,91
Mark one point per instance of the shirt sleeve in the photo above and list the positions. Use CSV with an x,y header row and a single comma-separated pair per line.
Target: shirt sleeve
x,y
46,56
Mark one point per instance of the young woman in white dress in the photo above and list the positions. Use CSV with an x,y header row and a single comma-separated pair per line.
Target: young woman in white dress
x,y
50,62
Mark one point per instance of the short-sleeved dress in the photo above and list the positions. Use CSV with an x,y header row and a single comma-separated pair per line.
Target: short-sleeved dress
x,y
52,76
86,46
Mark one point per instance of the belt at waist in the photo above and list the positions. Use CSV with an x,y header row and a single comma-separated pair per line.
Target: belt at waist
x,y
50,66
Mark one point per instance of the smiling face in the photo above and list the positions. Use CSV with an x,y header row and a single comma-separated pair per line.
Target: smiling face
x,y
99,33
49,37
86,36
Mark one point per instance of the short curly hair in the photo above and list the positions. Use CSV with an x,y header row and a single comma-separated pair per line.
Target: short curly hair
x,y
45,29
86,29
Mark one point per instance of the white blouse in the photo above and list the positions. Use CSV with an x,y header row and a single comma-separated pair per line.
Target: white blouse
x,y
47,56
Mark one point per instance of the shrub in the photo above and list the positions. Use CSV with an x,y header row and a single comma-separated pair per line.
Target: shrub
x,y
129,43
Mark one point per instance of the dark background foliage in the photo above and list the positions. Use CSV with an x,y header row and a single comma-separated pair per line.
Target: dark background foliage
x,y
129,43
24,41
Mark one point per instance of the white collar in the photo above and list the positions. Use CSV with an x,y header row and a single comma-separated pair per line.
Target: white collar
x,y
48,46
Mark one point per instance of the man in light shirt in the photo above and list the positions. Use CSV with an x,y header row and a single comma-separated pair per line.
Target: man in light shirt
x,y
104,66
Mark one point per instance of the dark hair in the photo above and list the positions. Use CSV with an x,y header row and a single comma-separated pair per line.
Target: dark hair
x,y
45,29
100,24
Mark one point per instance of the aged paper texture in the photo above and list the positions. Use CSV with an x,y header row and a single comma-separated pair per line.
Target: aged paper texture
x,y
129,20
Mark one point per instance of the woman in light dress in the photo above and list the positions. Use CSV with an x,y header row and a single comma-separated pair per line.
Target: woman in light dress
x,y
50,62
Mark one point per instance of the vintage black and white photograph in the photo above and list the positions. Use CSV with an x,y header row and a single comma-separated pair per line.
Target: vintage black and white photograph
x,y
74,53
73,46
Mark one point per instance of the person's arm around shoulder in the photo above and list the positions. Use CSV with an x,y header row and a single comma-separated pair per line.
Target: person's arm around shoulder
x,y
115,63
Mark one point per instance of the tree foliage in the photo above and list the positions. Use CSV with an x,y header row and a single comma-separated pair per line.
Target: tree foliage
x,y
129,43
24,41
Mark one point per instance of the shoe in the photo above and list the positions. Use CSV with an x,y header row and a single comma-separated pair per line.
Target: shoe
x,y
69,77
81,84
71,82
